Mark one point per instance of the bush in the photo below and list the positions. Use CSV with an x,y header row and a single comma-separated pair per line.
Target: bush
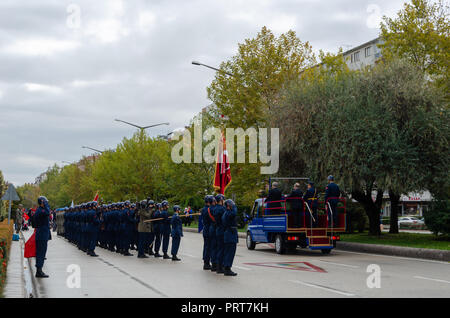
x,y
6,232
356,217
437,218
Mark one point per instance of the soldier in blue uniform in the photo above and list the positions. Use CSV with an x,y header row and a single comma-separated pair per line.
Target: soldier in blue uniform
x,y
177,232
218,213
93,226
127,228
212,235
206,223
157,229
41,223
230,236
165,228
311,199
332,194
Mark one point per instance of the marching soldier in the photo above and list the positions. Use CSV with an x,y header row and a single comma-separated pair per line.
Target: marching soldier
x,y
151,238
177,232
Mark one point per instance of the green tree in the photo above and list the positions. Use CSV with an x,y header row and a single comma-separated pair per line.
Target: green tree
x,y
421,34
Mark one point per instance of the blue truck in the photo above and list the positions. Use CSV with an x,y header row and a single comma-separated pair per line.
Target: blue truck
x,y
266,225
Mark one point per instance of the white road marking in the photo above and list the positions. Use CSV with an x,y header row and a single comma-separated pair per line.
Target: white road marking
x,y
398,257
351,266
433,279
324,288
189,255
242,267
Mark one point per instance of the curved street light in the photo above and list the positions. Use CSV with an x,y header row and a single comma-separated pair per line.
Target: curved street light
x,y
213,68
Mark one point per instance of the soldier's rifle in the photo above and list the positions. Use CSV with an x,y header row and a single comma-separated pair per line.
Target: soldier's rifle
x,y
181,216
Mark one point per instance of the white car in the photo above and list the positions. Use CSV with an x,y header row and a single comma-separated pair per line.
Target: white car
x,y
409,220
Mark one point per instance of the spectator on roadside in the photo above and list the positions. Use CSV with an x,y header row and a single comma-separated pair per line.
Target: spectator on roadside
x,y
19,218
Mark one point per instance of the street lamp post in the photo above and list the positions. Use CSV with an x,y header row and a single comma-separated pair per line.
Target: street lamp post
x,y
142,128
85,147
213,68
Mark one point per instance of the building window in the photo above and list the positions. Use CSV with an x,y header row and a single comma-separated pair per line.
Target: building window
x,y
356,57
367,51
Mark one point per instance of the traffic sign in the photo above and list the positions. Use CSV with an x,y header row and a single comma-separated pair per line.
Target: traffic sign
x,y
11,194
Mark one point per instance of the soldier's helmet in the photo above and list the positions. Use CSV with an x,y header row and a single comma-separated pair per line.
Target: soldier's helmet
x,y
229,203
220,197
330,177
164,203
158,205
42,199
127,202
207,199
151,203
143,204
176,208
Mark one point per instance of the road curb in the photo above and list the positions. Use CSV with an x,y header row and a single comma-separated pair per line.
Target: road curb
x,y
193,230
413,252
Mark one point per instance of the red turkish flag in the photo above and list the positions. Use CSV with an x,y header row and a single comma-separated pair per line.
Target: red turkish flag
x,y
96,197
30,246
222,175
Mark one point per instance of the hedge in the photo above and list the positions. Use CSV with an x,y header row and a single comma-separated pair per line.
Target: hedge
x,y
6,233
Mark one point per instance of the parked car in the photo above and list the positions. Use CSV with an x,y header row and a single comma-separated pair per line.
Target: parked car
x,y
410,221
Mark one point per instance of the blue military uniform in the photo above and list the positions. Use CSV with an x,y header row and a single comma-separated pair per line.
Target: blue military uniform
x,y
212,237
165,230
219,210
332,193
206,244
176,233
42,225
230,236
157,230
311,199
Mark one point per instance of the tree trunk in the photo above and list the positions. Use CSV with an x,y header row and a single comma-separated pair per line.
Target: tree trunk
x,y
372,208
395,199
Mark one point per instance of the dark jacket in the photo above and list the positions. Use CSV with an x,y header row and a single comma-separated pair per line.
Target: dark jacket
x,y
274,195
177,226
206,220
41,223
295,204
218,213
230,226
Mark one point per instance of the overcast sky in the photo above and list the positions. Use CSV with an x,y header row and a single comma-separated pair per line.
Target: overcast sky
x,y
68,68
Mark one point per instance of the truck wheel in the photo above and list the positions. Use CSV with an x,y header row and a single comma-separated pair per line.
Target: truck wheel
x,y
326,251
250,244
280,245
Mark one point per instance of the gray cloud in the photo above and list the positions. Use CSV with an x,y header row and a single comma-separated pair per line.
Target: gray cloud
x,y
61,88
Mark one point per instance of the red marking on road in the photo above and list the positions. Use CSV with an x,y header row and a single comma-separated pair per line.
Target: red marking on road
x,y
297,266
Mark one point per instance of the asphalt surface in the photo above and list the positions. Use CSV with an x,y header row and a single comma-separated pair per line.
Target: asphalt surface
x,y
261,273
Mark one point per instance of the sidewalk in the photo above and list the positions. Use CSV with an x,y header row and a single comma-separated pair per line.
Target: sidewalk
x,y
18,282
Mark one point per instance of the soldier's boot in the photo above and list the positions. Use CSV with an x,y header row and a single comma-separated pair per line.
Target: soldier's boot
x,y
213,267
175,258
220,269
127,253
166,256
206,266
92,253
150,252
142,256
40,273
229,272
157,254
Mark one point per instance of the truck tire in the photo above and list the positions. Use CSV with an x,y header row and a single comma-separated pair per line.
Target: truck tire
x,y
280,244
250,244
326,251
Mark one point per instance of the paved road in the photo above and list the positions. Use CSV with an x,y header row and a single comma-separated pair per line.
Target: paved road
x,y
262,273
